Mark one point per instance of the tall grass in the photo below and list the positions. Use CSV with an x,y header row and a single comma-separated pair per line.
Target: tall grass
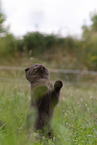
x,y
75,118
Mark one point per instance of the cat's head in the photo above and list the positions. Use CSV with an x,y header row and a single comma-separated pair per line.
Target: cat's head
x,y
36,73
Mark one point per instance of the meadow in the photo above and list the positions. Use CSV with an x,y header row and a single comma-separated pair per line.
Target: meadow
x,y
75,118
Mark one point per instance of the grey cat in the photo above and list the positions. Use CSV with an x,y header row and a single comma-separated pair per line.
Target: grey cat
x,y
44,98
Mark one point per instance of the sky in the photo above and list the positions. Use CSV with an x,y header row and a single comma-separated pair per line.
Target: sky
x,y
63,17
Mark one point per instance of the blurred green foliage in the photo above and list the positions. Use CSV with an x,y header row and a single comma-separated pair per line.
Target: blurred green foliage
x,y
3,28
7,45
89,43
70,52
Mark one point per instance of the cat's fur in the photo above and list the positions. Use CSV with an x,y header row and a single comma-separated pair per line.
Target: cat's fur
x,y
44,97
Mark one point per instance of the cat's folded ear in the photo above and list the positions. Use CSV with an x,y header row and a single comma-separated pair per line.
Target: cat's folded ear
x,y
26,69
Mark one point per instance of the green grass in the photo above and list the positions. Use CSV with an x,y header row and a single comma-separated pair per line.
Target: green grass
x,y
75,119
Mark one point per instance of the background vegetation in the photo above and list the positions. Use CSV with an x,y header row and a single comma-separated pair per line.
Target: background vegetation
x,y
74,53
75,121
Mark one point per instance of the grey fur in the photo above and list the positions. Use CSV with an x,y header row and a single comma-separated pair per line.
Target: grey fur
x,y
44,97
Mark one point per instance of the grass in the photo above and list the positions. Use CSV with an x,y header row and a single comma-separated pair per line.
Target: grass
x,y
75,119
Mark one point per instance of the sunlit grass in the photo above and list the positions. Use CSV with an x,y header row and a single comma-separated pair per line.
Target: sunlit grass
x,y
75,119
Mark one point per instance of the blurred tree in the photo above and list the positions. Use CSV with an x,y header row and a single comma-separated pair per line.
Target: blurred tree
x,y
94,21
3,29
89,31
85,32
89,43
50,40
34,42
8,45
